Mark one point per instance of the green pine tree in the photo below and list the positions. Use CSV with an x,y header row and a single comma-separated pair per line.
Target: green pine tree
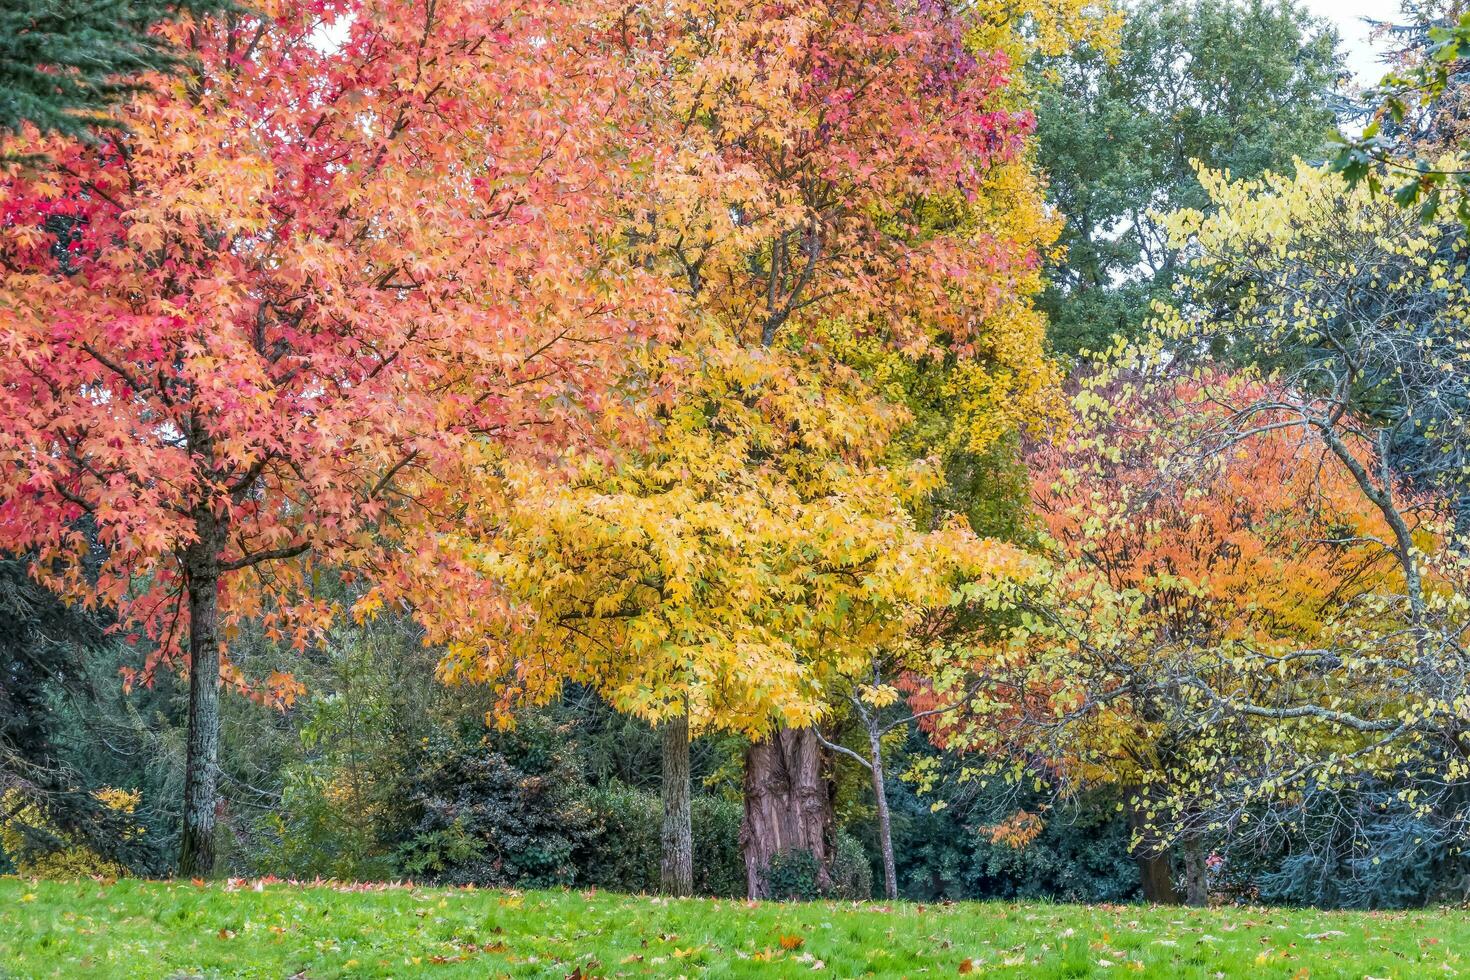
x,y
64,62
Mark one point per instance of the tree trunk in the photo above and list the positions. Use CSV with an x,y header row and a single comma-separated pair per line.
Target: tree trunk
x,y
788,805
885,832
201,760
1154,864
677,868
1196,874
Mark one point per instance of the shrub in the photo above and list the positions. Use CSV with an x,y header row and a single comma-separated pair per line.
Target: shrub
x,y
625,852
622,853
320,830
719,863
1081,855
852,874
793,875
478,818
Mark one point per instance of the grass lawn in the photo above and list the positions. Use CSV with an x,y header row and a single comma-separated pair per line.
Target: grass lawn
x,y
161,929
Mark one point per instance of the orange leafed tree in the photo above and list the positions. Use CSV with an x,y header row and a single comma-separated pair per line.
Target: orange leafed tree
x,y
1173,570
241,335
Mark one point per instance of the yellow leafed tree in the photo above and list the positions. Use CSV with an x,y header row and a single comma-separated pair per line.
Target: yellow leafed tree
x,y
840,200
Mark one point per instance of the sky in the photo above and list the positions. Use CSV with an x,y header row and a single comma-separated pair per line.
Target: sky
x,y
1347,16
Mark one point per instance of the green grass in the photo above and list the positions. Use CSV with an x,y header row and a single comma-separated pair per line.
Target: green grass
x,y
162,929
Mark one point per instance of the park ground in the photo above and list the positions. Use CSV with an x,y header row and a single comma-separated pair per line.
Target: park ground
x,y
268,929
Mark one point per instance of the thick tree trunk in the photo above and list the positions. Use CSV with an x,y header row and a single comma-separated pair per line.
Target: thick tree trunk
x,y
201,760
1196,874
1154,865
885,831
677,869
788,805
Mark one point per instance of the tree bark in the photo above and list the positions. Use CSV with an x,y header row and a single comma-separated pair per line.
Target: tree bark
x,y
885,832
1154,865
1196,874
788,805
201,760
677,867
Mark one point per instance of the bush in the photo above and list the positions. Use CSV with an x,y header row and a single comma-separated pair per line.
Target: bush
x,y
852,874
1081,855
478,818
719,863
624,853
320,830
793,875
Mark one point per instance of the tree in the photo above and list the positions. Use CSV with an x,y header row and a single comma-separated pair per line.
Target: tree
x,y
44,799
1413,142
64,63
694,587
864,182
1241,85
1359,307
861,217
1169,576
260,329
878,704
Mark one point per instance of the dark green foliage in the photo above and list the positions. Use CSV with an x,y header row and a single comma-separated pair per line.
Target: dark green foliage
x,y
1231,83
1355,847
1081,856
852,873
63,62
39,640
516,808
793,875
719,863
379,773
47,653
505,812
623,851
623,854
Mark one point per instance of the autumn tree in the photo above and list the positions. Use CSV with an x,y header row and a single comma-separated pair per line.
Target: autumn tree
x,y
868,174
824,176
254,331
1358,305
696,588
1168,577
